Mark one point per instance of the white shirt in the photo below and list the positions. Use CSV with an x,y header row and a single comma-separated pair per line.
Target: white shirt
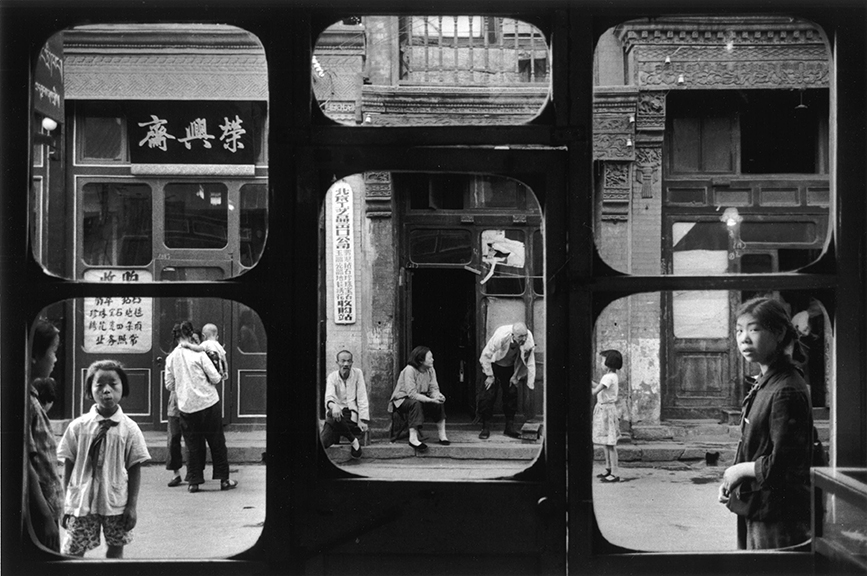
x,y
611,383
105,490
498,347
351,393
193,377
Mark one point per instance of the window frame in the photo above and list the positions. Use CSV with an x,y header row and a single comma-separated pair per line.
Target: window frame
x,y
579,281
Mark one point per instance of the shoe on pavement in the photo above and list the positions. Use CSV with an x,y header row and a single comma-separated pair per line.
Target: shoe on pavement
x,y
604,474
176,481
485,433
611,478
228,484
445,442
355,452
193,488
420,448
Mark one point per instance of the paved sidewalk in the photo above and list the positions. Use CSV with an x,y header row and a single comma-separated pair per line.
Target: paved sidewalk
x,y
174,524
670,508
652,509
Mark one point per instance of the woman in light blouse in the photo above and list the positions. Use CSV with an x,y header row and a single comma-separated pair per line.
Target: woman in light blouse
x,y
417,397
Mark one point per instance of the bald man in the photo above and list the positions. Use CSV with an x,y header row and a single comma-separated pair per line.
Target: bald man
x,y
507,360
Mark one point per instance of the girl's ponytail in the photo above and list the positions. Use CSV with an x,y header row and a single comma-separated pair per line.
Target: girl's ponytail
x,y
800,351
773,315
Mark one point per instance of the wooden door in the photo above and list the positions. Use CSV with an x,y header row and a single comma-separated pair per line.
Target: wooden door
x,y
699,379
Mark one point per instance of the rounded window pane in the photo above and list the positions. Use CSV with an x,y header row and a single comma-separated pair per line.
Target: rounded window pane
x,y
150,151
422,70
426,281
700,151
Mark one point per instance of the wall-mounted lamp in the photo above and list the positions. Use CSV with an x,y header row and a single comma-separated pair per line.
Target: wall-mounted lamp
x,y
49,124
44,137
667,60
632,118
680,80
731,218
628,141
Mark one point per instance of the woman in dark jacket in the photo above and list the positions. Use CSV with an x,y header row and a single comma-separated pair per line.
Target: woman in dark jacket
x,y
768,487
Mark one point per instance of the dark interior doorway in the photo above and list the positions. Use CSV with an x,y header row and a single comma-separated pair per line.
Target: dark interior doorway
x,y
444,320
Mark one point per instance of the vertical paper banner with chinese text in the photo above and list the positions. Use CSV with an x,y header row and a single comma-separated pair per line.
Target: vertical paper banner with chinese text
x,y
343,254
118,325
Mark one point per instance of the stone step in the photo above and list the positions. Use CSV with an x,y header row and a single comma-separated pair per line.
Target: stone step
x,y
681,447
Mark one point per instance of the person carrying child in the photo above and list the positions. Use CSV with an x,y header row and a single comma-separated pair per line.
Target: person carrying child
x,y
606,422
102,453
193,377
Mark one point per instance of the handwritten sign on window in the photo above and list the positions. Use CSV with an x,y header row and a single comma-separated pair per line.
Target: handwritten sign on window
x,y
118,325
343,253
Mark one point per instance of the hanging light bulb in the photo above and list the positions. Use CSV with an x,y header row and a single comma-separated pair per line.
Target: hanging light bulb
x,y
680,79
801,106
629,141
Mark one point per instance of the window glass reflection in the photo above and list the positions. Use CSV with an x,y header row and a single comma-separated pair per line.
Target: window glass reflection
x,y
117,226
418,70
414,290
689,126
140,334
679,405
197,215
254,222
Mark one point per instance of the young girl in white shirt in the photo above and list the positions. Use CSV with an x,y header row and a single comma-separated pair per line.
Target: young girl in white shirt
x,y
102,451
606,422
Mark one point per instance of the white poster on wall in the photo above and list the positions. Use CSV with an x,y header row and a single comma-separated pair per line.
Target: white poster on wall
x,y
118,325
343,253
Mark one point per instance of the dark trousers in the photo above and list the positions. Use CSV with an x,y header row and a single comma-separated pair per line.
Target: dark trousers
x,y
416,412
783,534
200,427
174,453
333,430
502,375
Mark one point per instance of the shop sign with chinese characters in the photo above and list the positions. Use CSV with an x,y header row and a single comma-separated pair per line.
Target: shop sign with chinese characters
x,y
191,132
343,253
118,325
48,80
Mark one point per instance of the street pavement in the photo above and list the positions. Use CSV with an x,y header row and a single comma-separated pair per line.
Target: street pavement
x,y
174,524
668,508
664,508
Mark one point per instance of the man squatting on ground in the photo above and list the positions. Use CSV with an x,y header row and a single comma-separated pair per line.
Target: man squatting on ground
x,y
346,411
506,360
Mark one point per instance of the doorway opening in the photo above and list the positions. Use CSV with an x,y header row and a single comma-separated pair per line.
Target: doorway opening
x,y
444,319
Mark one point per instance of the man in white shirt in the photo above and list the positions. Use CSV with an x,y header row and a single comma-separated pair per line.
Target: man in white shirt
x,y
346,410
507,360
